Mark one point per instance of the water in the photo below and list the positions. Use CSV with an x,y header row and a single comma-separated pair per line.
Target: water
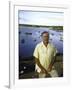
x,y
30,36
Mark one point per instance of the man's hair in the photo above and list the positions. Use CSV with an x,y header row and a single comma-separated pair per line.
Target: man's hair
x,y
44,33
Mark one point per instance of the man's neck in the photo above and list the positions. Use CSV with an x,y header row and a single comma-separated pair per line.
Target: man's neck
x,y
45,44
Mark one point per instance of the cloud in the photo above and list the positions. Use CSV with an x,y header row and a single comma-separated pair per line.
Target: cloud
x,y
41,18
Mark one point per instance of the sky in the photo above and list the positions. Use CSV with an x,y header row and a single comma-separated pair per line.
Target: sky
x,y
41,18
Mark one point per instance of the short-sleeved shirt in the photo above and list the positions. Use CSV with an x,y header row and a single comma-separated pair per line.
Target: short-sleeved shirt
x,y
44,54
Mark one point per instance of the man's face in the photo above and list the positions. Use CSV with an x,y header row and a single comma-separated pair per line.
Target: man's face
x,y
45,38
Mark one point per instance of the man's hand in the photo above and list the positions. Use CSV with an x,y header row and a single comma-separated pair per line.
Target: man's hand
x,y
43,71
49,68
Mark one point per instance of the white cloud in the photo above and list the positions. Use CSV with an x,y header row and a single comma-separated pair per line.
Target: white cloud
x,y
41,18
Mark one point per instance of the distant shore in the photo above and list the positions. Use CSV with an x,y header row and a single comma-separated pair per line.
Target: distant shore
x,y
58,28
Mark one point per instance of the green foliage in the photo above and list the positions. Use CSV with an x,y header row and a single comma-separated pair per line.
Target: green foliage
x,y
60,28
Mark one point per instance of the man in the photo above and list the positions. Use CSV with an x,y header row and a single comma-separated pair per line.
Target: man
x,y
44,54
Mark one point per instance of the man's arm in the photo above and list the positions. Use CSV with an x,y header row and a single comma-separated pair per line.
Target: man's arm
x,y
51,64
40,66
52,59
36,56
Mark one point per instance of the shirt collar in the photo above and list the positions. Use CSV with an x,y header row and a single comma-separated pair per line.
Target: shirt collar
x,y
44,45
